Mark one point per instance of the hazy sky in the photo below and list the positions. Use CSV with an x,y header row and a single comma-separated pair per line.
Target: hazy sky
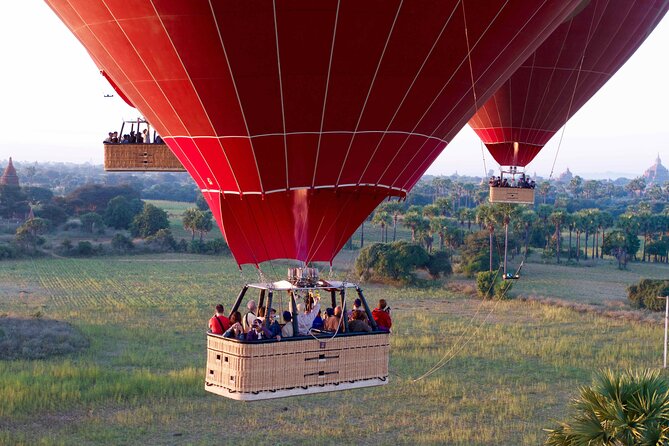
x,y
53,106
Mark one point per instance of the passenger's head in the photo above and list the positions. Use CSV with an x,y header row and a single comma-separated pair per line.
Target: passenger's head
x,y
272,313
337,311
287,316
357,303
220,309
252,305
236,317
382,304
256,324
261,312
329,312
300,307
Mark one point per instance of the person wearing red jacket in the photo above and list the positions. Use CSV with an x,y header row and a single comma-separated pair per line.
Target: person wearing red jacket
x,y
218,324
381,316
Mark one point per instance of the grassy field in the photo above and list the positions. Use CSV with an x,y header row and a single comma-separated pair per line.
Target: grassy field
x,y
509,369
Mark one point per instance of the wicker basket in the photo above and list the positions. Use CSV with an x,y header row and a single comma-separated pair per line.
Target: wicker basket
x,y
511,195
274,369
141,157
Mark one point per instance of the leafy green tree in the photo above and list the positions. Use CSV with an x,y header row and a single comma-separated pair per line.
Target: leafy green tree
x,y
28,234
558,218
439,264
474,254
395,261
629,408
201,203
92,221
119,213
620,245
149,221
52,212
13,202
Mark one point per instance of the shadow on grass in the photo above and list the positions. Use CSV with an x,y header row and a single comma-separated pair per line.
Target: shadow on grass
x,y
38,338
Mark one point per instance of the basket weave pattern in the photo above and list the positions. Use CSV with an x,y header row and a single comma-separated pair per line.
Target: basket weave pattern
x,y
511,195
141,157
270,366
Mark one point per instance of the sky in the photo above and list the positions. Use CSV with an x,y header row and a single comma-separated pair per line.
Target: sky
x,y
52,107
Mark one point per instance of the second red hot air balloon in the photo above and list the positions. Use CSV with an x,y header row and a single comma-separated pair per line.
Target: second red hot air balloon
x,y
562,75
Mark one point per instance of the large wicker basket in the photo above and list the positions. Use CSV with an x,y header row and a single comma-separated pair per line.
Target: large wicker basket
x,y
511,195
141,157
297,366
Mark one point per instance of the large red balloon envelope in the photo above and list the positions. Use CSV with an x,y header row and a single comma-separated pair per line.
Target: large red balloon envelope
x,y
562,75
296,118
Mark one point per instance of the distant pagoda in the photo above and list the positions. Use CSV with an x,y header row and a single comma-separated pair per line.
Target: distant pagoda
x,y
9,176
565,177
657,173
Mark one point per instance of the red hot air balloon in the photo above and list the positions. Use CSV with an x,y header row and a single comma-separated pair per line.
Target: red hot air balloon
x,y
562,75
297,118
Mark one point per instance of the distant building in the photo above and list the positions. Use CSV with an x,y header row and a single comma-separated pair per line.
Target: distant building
x,y
9,176
657,173
565,177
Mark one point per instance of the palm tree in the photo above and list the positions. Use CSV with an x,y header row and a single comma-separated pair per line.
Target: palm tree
x,y
503,213
413,221
544,189
393,208
630,408
558,218
383,219
526,220
485,216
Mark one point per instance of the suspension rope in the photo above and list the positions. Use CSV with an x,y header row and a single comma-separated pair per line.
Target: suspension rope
x,y
453,352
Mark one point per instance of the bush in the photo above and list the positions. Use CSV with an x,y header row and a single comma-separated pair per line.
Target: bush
x,y
121,243
163,240
7,252
85,248
645,294
485,283
502,289
439,263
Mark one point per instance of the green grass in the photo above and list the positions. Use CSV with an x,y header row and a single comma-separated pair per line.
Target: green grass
x,y
512,366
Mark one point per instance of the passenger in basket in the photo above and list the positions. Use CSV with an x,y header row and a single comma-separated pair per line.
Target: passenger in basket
x,y
333,320
218,322
251,315
274,327
381,315
305,317
359,323
236,331
287,329
258,332
357,306
317,324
